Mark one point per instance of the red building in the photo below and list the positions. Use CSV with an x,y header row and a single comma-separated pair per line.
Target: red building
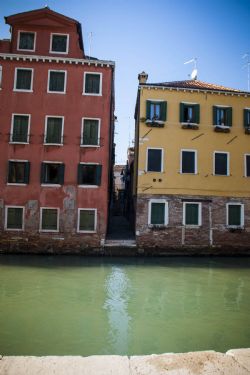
x,y
56,136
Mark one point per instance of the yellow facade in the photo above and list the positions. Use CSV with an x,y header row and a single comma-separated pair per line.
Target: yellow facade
x,y
172,138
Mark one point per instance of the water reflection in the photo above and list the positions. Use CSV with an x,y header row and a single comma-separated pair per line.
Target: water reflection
x,y
117,294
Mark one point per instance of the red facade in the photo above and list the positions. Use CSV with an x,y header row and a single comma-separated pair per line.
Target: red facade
x,y
56,141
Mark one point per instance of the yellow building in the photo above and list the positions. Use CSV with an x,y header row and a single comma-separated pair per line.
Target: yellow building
x,y
192,166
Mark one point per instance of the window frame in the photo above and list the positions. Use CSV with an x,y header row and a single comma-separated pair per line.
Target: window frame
x,y
228,163
46,127
65,81
31,81
41,220
245,165
78,220
227,108
195,161
196,111
44,184
242,215
162,103
51,42
17,183
166,212
12,128
6,219
246,111
84,82
99,131
162,159
199,215
89,186
18,40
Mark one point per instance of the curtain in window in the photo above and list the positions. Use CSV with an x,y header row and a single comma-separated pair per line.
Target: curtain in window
x,y
56,82
59,43
15,218
87,220
192,214
92,84
90,132
20,129
54,130
26,41
23,79
49,219
234,215
157,213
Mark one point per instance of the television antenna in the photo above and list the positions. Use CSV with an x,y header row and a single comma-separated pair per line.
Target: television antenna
x,y
246,56
90,36
194,73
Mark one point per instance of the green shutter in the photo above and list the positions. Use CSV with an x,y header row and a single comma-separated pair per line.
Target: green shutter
x,y
61,173
90,132
163,116
14,218
79,174
192,214
246,118
9,171
54,130
87,220
27,172
148,104
229,116
157,213
43,172
182,105
197,113
20,129
234,213
214,115
98,175
49,219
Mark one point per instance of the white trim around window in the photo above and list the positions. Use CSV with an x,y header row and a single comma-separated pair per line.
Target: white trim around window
x,y
195,161
45,131
99,130
162,159
40,220
228,162
18,40
59,52
199,214
78,220
6,218
84,79
12,125
245,164
166,215
31,83
242,216
65,81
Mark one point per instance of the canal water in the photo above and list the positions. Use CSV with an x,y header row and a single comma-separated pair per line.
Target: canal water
x,y
83,306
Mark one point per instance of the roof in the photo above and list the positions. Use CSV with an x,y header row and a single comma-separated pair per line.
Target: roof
x,y
194,85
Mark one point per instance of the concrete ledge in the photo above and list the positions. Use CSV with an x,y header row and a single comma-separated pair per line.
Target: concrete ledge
x,y
234,362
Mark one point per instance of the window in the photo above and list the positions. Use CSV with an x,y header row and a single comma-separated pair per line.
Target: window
x,y
18,172
222,116
57,81
49,219
93,83
26,41
188,161
189,113
54,130
221,163
20,128
23,79
59,43
247,165
154,160
247,117
90,132
52,173
156,111
89,174
192,214
158,212
235,215
87,219
14,218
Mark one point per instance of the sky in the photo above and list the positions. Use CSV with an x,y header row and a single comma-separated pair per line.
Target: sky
x,y
156,37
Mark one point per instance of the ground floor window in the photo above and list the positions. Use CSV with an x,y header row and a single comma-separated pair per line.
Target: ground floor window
x,y
235,215
49,220
87,219
158,212
14,218
192,213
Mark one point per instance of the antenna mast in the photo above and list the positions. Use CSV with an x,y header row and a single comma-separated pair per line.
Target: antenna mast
x,y
247,65
90,35
194,73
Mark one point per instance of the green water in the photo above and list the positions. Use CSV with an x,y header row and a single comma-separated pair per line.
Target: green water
x,y
77,306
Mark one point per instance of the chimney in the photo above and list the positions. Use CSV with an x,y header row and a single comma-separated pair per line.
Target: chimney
x,y
142,77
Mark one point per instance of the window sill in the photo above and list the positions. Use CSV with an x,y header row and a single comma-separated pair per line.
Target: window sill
x,y
16,184
235,228
189,125
19,143
56,92
157,226
60,53
88,186
19,90
86,231
155,123
222,129
221,175
90,94
14,230
92,146
53,144
25,50
192,226
49,230
189,173
50,185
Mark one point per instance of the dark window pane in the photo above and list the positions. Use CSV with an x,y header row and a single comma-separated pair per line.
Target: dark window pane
x,y
192,214
157,213
154,160
51,173
20,129
49,219
92,83
56,81
221,164
17,172
23,79
248,165
87,220
188,113
234,214
90,132
188,162
26,41
59,43
54,130
14,218
88,174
